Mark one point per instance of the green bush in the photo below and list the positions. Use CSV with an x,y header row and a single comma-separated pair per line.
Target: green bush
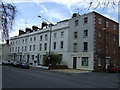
x,y
54,59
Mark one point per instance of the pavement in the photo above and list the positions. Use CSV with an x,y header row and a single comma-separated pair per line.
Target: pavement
x,y
71,71
67,71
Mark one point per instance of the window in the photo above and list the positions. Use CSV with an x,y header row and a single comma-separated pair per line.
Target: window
x,y
114,50
114,27
55,35
76,22
30,47
85,33
85,20
75,35
99,21
107,24
18,49
84,61
106,50
75,47
45,46
32,57
30,39
85,46
41,38
25,48
99,34
19,42
61,44
107,35
13,42
22,49
13,49
25,40
0,57
16,42
40,47
99,48
60,57
114,38
10,50
46,37
99,62
62,34
34,38
106,46
54,45
33,47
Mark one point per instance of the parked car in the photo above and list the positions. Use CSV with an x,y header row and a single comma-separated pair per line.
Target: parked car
x,y
11,63
114,69
16,64
24,65
5,62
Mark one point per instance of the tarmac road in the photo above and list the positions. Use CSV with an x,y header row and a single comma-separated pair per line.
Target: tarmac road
x,y
37,78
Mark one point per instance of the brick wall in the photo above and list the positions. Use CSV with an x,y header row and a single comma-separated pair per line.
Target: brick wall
x,y
105,46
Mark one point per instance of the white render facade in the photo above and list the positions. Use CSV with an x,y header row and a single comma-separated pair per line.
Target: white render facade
x,y
0,52
72,39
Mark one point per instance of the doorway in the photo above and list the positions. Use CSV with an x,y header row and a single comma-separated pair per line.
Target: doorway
x,y
74,62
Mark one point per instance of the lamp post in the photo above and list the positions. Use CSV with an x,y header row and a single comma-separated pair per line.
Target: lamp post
x,y
50,35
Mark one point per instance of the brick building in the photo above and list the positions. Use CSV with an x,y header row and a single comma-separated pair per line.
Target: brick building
x,y
107,42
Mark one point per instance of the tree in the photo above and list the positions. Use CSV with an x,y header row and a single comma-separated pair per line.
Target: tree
x,y
95,4
54,59
7,17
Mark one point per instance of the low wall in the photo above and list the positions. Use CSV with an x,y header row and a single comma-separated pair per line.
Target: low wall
x,y
58,67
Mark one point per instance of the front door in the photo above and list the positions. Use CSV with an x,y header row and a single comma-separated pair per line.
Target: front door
x,y
28,58
74,62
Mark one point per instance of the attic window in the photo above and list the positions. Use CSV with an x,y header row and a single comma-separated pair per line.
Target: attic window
x,y
76,22
86,20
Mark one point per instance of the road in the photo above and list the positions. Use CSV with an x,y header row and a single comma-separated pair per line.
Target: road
x,y
37,78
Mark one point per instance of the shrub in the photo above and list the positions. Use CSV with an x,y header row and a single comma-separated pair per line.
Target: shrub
x,y
54,59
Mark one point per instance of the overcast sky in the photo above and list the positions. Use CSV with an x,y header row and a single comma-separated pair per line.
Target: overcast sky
x,y
54,11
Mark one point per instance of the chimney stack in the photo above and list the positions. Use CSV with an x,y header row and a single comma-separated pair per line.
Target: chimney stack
x,y
44,24
34,28
28,30
75,15
21,32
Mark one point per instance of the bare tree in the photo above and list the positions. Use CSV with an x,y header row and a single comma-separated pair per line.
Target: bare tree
x,y
95,4
103,3
7,17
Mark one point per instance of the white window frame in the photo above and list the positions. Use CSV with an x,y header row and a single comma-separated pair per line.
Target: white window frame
x,y
114,27
99,21
99,62
85,61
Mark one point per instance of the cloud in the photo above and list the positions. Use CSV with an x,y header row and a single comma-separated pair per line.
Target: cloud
x,y
17,1
70,5
53,13
19,26
67,3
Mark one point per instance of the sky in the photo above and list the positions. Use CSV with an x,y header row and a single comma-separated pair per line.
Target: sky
x,y
55,11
